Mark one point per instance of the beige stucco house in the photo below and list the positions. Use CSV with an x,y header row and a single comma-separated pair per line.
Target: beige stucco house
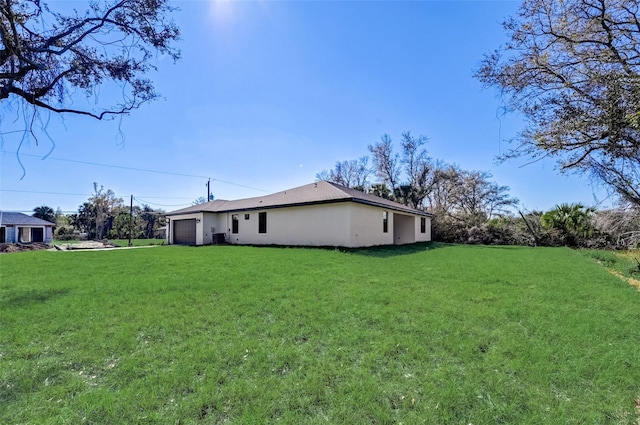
x,y
317,214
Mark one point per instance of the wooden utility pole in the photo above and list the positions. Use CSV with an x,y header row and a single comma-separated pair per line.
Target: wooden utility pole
x,y
208,190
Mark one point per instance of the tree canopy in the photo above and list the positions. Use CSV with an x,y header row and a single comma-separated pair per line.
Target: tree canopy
x,y
458,199
48,56
45,212
573,221
354,173
572,68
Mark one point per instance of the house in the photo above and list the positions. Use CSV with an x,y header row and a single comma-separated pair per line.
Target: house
x,y
317,214
21,228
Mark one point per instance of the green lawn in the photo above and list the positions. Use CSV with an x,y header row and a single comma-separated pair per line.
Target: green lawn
x,y
242,335
137,242
120,242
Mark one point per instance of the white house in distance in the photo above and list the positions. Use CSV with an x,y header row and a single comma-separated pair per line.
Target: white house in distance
x,y
317,214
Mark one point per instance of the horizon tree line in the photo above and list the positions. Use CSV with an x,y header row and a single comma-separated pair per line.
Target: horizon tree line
x,y
104,216
469,207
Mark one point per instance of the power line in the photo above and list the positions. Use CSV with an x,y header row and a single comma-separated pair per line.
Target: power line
x,y
82,194
45,193
142,202
144,170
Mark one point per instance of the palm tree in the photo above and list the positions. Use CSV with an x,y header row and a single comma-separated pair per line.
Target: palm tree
x,y
573,221
45,213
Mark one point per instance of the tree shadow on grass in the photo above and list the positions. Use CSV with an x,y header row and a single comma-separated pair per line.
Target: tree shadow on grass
x,y
21,298
385,251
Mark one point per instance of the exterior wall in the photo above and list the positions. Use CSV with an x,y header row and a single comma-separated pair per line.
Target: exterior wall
x,y
346,224
199,226
12,233
318,225
366,226
213,223
207,224
426,236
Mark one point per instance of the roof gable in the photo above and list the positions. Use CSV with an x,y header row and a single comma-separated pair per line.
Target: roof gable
x,y
314,193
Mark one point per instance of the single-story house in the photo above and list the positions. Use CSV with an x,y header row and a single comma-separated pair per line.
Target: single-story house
x,y
21,228
317,214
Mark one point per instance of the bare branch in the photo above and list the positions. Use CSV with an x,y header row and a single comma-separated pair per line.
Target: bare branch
x,y
572,69
67,53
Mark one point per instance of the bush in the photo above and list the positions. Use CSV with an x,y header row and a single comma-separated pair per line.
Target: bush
x,y
65,233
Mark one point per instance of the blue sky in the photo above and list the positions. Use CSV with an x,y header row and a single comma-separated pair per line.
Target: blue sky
x,y
268,93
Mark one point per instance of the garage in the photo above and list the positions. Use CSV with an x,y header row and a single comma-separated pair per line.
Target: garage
x,y
184,231
37,234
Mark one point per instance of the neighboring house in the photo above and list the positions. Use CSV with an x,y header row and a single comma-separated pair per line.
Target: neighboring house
x,y
317,214
22,228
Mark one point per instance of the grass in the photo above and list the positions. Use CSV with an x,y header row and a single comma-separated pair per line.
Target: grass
x,y
119,242
624,263
137,242
243,335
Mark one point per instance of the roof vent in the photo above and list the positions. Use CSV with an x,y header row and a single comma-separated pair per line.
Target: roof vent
x,y
315,185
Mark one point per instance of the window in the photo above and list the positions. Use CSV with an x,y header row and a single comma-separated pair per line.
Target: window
x,y
247,216
262,222
423,225
234,223
385,221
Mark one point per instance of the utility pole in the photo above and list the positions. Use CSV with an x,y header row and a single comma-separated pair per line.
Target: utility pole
x,y
209,190
130,219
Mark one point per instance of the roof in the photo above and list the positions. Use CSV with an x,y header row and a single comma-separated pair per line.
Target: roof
x,y
15,218
321,192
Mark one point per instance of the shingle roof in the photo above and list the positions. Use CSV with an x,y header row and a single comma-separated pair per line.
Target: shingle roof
x,y
315,193
14,218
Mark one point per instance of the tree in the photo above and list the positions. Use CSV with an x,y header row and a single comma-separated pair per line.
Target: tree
x,y
413,164
85,219
354,173
200,200
123,224
621,225
381,190
45,213
573,221
386,162
461,199
572,68
46,57
106,206
150,220
480,198
64,229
